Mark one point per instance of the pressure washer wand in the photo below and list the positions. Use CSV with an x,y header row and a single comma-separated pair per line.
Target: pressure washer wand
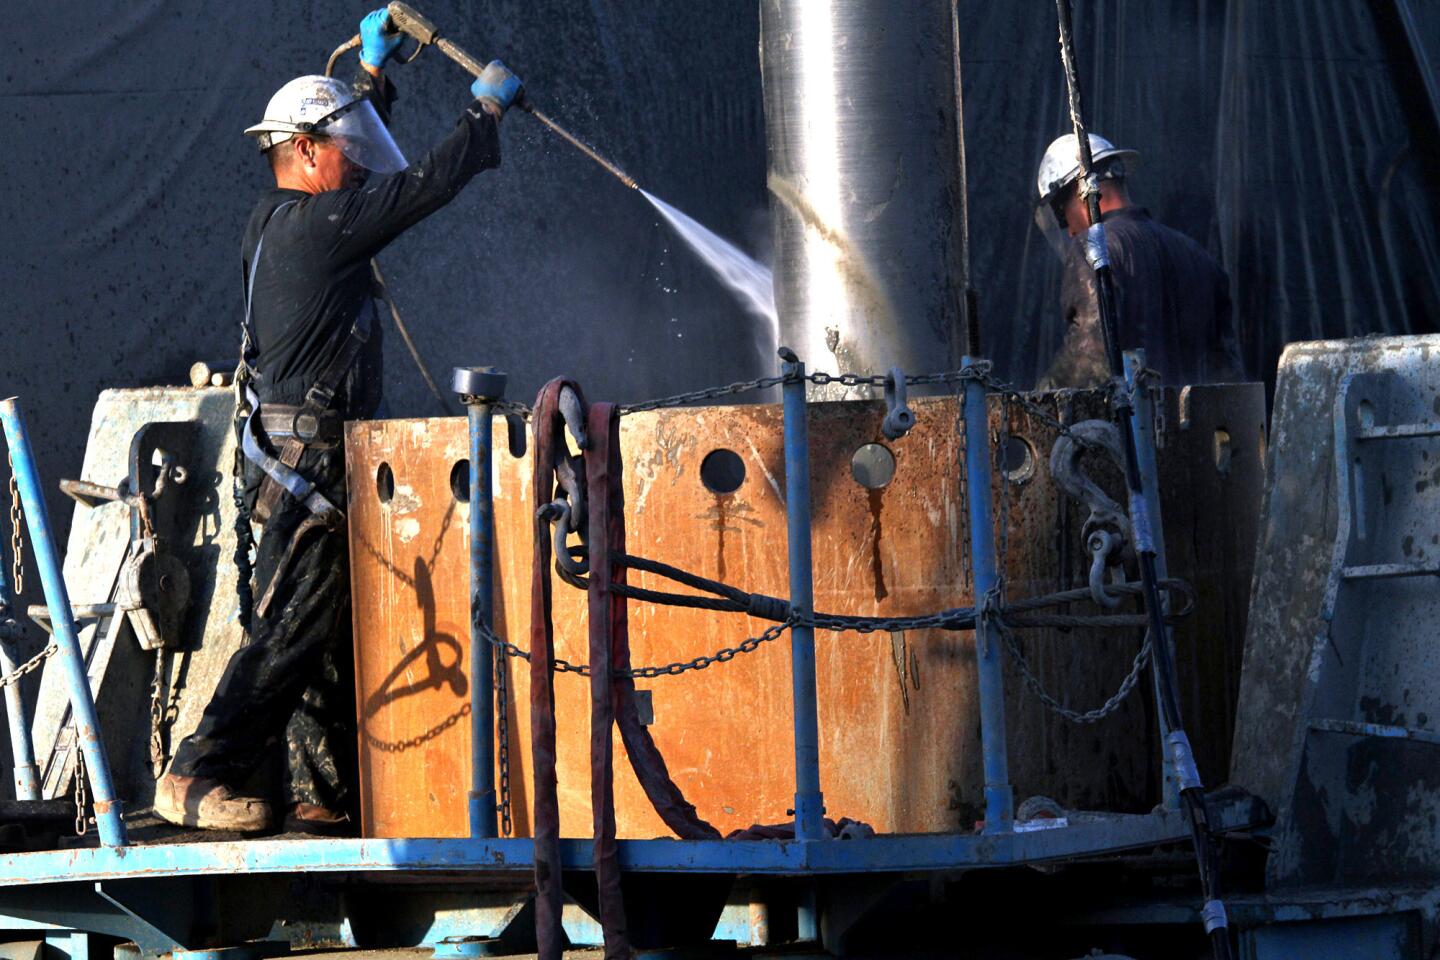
x,y
409,21
579,144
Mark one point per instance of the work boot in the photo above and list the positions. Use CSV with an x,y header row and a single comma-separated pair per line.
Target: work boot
x,y
322,821
208,804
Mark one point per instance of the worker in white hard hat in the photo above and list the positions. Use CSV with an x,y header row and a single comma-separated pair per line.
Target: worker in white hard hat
x,y
311,360
1173,299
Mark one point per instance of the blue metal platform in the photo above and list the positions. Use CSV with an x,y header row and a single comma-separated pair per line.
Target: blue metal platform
x,y
1084,836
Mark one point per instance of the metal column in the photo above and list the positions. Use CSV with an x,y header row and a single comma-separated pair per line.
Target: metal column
x,y
82,704
478,388
809,803
22,747
1143,419
999,796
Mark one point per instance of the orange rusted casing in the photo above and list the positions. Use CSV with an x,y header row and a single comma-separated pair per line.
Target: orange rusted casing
x,y
899,716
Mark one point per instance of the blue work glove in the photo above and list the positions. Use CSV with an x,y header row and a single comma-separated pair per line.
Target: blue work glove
x,y
377,46
498,86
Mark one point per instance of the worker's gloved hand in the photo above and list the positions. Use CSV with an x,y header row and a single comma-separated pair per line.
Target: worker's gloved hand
x,y
376,45
497,86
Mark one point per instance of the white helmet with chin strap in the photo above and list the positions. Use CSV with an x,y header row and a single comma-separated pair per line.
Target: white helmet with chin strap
x,y
1059,169
1060,166
325,107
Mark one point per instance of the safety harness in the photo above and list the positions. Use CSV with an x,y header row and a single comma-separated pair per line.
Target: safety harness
x,y
310,423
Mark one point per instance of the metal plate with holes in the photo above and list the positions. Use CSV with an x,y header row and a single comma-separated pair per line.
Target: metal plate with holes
x,y
898,714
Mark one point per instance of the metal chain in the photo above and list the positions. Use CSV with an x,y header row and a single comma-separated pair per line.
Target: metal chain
x,y
17,533
419,740
157,715
710,393
502,707
510,406
33,663
1012,646
980,371
81,823
723,655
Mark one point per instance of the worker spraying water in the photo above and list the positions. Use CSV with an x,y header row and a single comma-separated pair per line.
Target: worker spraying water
x,y
750,281
310,359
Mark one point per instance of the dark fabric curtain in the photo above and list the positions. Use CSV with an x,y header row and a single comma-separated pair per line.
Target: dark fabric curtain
x,y
1292,138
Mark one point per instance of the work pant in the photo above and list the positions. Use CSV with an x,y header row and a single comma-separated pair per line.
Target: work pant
x,y
294,679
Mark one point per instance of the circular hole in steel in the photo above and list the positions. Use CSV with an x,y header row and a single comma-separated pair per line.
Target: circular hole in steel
x,y
385,483
1017,459
722,471
460,480
872,465
1223,451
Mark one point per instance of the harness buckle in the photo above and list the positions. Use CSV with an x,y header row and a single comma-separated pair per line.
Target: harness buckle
x,y
319,396
305,426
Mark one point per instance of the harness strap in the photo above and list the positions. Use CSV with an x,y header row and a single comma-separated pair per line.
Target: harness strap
x,y
247,332
280,473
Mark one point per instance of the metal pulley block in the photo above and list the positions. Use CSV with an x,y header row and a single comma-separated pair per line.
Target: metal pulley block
x,y
154,592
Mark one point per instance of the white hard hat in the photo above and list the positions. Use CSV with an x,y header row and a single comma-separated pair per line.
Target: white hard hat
x,y
327,107
1060,166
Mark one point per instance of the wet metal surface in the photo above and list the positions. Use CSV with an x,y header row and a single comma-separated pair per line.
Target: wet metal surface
x,y
96,547
898,716
1340,695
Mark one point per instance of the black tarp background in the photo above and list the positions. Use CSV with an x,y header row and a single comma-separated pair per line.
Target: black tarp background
x,y
1292,137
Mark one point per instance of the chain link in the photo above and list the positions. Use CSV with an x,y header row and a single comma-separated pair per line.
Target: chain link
x,y
710,393
723,655
1012,646
502,707
81,799
157,714
17,533
419,740
33,663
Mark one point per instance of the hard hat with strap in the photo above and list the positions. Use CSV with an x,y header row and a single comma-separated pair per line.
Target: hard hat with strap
x,y
1060,167
323,106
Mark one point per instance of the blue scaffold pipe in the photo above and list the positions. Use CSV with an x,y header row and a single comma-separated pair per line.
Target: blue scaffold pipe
x,y
999,795
1142,416
483,823
22,747
809,802
108,815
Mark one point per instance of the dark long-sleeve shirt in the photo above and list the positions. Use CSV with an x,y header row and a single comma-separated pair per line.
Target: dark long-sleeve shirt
x,y
313,275
1173,300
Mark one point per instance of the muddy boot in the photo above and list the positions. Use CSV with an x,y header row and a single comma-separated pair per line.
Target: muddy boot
x,y
208,804
309,818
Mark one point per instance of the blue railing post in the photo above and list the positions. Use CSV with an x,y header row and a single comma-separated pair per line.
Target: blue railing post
x,y
809,802
22,748
999,795
1143,418
479,387
108,815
